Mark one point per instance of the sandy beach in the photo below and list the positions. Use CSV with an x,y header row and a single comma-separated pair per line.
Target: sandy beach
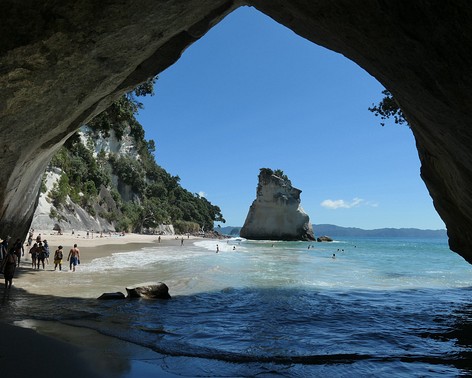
x,y
64,350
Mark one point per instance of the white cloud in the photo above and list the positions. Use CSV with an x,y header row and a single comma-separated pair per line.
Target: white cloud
x,y
202,194
342,204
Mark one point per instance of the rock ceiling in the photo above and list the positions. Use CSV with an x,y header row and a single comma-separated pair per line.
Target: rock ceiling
x,y
62,62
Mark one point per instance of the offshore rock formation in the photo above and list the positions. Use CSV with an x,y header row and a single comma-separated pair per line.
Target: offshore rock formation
x,y
62,62
276,213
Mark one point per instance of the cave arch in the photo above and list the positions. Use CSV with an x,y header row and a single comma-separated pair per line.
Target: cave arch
x,y
61,63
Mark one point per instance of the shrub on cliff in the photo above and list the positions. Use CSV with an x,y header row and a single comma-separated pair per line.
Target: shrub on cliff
x,y
388,108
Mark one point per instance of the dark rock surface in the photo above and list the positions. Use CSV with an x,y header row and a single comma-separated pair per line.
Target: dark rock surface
x,y
63,62
149,291
112,296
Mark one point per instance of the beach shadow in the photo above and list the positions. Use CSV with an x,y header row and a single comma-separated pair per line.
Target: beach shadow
x,y
358,315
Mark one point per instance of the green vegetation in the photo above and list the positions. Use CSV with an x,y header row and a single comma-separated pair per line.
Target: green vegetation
x,y
388,108
156,196
277,172
183,227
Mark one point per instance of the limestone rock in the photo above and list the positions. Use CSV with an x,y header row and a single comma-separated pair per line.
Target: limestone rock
x,y
276,213
150,290
71,215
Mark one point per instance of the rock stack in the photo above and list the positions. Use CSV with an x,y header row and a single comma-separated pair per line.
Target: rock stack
x,y
276,213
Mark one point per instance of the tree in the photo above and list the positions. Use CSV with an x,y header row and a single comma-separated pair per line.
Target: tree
x,y
277,172
388,108
60,190
281,174
151,146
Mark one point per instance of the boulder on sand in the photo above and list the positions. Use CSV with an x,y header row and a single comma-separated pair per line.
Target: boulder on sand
x,y
117,295
151,290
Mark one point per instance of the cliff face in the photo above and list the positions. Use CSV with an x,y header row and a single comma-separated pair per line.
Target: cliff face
x,y
276,213
64,62
105,178
72,215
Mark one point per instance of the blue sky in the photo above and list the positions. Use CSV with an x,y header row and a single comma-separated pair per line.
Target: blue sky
x,y
253,94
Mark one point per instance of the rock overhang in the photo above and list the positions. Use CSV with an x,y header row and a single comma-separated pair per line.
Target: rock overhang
x,y
63,62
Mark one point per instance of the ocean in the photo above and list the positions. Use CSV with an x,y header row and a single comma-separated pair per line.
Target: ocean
x,y
359,307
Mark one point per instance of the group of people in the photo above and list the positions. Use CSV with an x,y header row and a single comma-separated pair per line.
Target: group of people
x,y
40,253
10,258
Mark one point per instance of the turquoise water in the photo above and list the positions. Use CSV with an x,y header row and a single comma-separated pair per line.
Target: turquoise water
x,y
280,309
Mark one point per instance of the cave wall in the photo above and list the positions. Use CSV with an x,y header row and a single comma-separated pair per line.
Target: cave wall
x,y
64,61
61,62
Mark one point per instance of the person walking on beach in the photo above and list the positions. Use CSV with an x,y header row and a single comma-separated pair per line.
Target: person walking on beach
x,y
9,267
19,250
34,254
74,257
41,256
58,255
30,238
46,250
4,247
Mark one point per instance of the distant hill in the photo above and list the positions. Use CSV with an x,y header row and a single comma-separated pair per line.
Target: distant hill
x,y
338,231
228,230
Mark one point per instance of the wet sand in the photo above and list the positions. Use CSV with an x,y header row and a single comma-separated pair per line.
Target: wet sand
x,y
43,349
